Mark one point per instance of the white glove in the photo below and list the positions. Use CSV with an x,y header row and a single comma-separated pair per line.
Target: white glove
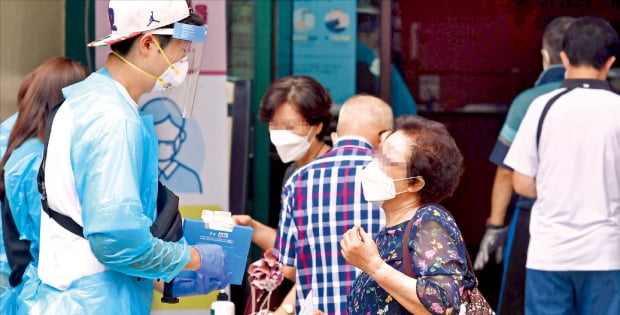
x,y
493,240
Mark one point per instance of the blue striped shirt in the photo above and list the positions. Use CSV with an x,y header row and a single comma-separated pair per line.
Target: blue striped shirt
x,y
320,202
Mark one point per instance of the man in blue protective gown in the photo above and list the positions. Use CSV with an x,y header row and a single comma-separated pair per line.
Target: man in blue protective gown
x,y
101,171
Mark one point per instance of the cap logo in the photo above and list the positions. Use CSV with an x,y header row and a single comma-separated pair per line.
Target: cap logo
x,y
111,19
152,19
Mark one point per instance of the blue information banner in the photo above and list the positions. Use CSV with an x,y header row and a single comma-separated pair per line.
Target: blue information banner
x,y
324,44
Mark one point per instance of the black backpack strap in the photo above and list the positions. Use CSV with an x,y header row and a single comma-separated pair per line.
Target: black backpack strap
x,y
544,113
17,250
63,220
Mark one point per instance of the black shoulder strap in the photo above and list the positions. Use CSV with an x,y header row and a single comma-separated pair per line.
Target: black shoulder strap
x,y
17,250
64,220
544,113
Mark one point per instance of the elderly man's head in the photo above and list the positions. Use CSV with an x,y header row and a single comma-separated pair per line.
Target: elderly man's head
x,y
365,116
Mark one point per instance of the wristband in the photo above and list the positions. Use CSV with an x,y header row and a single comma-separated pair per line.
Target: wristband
x,y
489,225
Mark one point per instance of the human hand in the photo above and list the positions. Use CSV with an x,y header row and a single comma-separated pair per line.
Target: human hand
x,y
493,240
186,284
358,248
242,219
213,273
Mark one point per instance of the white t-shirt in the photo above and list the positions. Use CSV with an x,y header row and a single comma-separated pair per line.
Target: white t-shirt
x,y
575,222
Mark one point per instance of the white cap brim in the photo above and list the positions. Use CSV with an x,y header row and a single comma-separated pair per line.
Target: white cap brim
x,y
118,37
367,9
113,39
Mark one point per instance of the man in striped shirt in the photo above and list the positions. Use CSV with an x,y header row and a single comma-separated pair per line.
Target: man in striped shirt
x,y
324,199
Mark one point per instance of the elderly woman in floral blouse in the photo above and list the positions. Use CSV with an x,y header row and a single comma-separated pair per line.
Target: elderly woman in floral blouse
x,y
418,166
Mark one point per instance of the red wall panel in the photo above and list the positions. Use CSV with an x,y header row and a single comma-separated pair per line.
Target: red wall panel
x,y
484,51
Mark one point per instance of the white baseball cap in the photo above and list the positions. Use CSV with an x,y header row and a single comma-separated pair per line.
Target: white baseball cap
x,y
364,8
130,18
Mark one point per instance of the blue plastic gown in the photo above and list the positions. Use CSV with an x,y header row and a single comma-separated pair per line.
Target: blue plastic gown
x,y
20,178
113,156
5,269
5,131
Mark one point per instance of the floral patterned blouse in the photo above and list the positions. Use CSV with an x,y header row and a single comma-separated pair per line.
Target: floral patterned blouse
x,y
439,259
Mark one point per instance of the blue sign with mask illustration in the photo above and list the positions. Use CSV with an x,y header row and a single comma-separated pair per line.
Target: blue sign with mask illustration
x,y
324,44
178,167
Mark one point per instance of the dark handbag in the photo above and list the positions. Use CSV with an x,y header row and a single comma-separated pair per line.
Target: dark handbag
x,y
169,224
472,300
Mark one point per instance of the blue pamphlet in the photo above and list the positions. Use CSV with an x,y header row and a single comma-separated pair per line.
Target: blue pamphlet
x,y
236,244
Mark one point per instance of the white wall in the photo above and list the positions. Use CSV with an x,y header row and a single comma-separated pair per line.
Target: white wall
x,y
31,32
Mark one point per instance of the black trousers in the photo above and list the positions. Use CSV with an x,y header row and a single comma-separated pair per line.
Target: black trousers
x,y
512,296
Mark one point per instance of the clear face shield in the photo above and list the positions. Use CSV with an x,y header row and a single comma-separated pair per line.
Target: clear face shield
x,y
180,80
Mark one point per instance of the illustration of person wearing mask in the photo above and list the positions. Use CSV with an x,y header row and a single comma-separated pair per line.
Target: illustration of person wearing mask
x,y
171,134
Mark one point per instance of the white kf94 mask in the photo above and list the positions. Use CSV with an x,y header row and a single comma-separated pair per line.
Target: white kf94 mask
x,y
377,186
290,146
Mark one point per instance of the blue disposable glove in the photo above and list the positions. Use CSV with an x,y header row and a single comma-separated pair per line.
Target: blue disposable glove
x,y
213,273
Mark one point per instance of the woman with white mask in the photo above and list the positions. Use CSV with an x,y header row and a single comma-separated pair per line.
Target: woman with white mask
x,y
297,109
421,249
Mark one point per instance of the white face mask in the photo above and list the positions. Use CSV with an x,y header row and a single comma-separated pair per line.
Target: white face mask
x,y
290,147
377,186
375,67
171,77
